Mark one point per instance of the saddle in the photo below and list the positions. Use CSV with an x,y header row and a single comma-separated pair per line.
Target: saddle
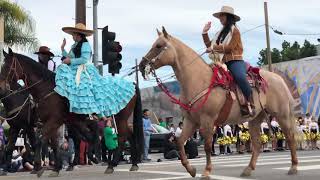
x,y
256,81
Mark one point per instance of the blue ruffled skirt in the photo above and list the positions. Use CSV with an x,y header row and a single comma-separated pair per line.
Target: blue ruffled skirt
x,y
94,94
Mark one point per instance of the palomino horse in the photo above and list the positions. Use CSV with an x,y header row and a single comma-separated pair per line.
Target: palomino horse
x,y
194,76
53,109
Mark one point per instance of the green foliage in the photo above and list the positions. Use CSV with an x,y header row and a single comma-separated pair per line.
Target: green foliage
x,y
288,53
19,26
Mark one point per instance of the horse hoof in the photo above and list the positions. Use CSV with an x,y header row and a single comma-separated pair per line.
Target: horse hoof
x,y
33,172
292,171
205,178
193,171
246,172
54,174
134,168
40,172
109,170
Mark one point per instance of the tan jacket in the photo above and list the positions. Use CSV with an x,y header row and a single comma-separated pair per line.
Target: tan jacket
x,y
232,51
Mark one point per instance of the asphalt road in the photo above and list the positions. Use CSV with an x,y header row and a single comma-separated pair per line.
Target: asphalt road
x,y
271,166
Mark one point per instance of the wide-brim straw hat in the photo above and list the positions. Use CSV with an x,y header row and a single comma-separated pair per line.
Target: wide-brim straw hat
x,y
79,28
227,10
44,50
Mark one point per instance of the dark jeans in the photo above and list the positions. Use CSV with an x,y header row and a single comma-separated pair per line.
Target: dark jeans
x,y
171,154
239,72
113,157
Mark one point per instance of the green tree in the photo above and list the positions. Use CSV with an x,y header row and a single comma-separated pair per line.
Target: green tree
x,y
288,53
19,26
275,56
308,50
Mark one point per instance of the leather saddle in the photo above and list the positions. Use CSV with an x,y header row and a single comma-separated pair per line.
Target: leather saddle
x,y
234,92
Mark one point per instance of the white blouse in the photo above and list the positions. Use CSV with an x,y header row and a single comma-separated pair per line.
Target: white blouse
x,y
313,126
264,125
227,129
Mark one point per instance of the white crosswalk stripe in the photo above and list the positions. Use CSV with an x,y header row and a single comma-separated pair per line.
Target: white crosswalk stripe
x,y
243,160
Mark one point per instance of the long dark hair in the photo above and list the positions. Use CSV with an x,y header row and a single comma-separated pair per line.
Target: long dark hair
x,y
77,50
227,28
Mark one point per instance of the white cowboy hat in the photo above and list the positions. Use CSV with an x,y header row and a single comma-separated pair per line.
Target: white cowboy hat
x,y
79,28
228,10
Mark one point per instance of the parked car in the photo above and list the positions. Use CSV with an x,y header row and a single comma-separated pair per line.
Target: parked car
x,y
158,138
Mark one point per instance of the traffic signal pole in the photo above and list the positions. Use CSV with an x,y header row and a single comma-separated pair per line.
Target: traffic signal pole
x,y
81,11
95,36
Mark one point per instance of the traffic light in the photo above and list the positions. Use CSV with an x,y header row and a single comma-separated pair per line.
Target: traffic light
x,y
111,51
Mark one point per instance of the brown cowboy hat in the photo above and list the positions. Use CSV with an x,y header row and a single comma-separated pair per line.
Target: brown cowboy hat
x,y
44,50
227,10
79,28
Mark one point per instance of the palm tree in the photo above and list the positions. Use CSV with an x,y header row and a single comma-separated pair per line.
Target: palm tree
x,y
19,26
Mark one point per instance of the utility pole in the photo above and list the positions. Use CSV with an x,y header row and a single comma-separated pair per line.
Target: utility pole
x,y
267,36
1,38
81,11
95,33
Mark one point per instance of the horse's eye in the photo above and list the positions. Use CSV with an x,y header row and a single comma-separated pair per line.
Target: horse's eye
x,y
158,46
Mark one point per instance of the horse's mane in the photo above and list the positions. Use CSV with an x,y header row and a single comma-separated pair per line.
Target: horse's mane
x,y
37,68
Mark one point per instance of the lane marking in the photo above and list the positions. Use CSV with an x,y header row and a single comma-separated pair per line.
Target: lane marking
x,y
169,178
184,174
227,161
301,168
271,163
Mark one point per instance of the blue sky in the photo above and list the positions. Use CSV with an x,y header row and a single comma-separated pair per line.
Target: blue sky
x,y
135,23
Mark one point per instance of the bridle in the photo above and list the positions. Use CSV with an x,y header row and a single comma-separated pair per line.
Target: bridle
x,y
15,64
149,68
14,67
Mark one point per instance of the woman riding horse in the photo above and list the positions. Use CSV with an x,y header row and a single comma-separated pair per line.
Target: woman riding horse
x,y
227,47
79,81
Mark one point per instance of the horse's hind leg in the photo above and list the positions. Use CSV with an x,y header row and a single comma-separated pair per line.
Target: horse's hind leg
x,y
187,131
254,130
288,128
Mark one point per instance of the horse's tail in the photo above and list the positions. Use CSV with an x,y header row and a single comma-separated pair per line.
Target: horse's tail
x,y
138,136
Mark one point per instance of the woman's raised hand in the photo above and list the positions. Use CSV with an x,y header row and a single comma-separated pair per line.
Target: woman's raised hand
x,y
206,28
63,44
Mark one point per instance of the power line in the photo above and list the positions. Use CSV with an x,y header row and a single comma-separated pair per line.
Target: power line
x,y
293,34
252,29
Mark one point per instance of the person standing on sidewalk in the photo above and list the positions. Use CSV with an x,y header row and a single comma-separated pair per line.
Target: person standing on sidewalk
x,y
148,130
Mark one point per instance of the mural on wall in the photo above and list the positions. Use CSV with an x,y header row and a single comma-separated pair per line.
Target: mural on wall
x,y
302,77
305,73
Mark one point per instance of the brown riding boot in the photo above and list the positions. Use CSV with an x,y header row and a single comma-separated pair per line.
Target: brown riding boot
x,y
249,109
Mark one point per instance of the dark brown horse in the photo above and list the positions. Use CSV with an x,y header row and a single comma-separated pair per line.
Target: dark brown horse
x,y
20,114
53,108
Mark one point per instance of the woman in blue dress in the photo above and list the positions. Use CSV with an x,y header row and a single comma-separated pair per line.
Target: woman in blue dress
x,y
79,81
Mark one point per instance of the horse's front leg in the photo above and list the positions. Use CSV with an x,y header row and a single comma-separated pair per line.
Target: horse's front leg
x,y
187,131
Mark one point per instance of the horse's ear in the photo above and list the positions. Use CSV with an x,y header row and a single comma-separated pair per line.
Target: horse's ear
x,y
166,35
10,51
5,54
159,33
